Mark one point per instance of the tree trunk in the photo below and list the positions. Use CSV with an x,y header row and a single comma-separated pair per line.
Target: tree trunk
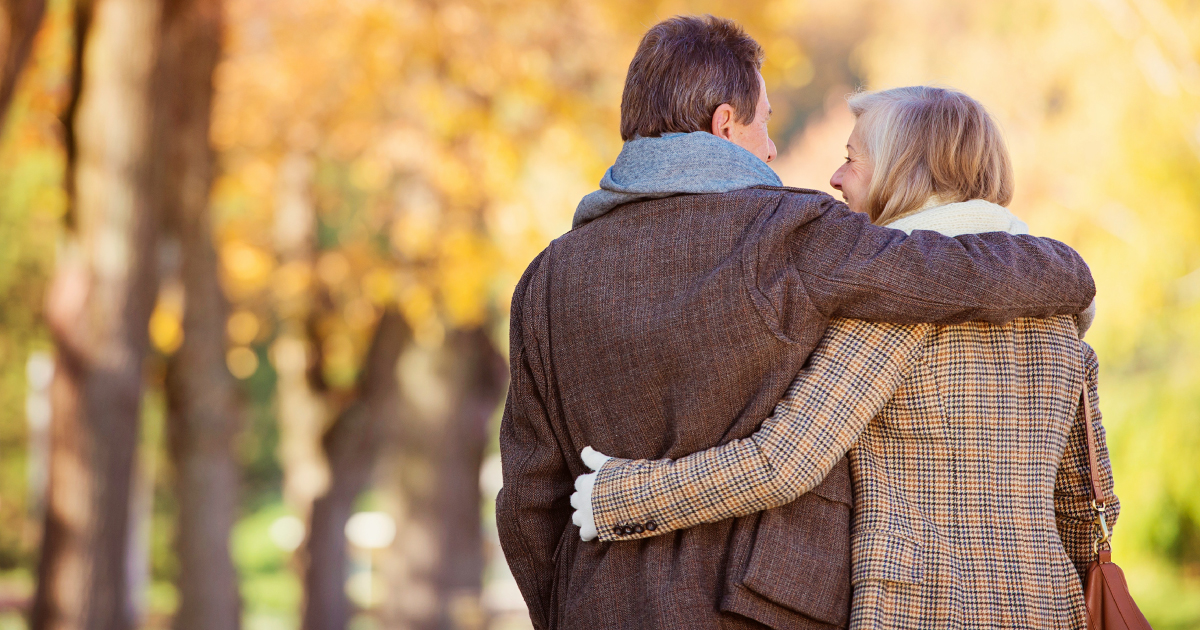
x,y
203,409
438,562
98,309
301,410
19,23
351,446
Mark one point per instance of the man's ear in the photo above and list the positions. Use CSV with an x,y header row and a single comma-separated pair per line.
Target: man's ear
x,y
722,121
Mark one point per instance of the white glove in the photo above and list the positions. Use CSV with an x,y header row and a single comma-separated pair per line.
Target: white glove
x,y
581,500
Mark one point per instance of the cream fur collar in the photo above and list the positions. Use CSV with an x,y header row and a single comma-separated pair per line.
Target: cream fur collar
x,y
965,217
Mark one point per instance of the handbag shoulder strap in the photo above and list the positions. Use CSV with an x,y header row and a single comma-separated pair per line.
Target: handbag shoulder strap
x,y
1093,464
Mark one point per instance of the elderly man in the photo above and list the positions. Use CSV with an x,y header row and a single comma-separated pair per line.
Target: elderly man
x,y
673,317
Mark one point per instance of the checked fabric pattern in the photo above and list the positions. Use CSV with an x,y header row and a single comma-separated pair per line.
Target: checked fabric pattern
x,y
969,460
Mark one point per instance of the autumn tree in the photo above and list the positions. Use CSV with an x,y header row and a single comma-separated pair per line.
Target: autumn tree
x,y
98,309
202,397
450,394
352,445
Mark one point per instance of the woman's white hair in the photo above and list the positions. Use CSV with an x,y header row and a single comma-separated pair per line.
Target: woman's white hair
x,y
926,141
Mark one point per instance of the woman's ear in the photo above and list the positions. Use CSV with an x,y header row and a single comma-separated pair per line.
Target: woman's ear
x,y
722,121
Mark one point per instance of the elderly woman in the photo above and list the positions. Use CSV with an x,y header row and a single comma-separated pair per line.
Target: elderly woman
x,y
966,443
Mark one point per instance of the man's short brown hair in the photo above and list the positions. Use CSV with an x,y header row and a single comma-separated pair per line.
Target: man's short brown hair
x,y
685,68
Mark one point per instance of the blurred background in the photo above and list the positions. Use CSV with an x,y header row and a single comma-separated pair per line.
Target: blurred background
x,y
256,258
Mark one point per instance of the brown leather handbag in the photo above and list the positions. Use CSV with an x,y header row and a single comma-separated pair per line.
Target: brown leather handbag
x,y
1109,604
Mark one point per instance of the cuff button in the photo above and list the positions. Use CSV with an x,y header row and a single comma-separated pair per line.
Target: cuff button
x,y
637,529
617,530
651,525
627,530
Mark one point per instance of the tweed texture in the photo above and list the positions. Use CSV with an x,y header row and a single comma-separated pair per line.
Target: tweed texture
x,y
669,326
968,455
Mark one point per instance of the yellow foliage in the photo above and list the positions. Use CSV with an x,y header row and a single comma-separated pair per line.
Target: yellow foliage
x,y
333,268
417,304
166,330
465,276
292,280
242,327
166,321
359,315
340,365
246,266
379,286
241,361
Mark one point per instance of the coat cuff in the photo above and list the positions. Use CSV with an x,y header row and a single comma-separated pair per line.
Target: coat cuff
x,y
619,503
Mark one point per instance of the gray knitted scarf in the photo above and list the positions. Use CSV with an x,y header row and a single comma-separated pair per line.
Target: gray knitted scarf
x,y
675,163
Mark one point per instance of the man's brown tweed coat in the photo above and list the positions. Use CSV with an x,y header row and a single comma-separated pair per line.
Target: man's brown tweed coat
x,y
669,326
969,459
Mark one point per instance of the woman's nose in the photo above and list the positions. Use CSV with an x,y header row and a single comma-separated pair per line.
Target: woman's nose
x,y
836,180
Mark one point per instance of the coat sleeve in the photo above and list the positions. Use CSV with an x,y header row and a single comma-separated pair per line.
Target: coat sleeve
x,y
850,377
852,268
1073,513
532,508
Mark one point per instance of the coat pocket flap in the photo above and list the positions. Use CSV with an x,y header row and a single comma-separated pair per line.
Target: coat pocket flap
x,y
880,555
800,559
